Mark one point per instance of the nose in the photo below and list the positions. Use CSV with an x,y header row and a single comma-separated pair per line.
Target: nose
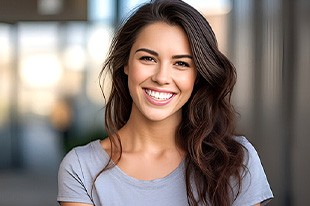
x,y
162,74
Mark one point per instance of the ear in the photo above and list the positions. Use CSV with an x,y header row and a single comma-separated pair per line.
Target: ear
x,y
126,69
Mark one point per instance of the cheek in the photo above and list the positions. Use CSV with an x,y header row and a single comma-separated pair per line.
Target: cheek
x,y
186,82
137,73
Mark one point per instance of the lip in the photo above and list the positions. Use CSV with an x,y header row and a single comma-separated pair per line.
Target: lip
x,y
155,101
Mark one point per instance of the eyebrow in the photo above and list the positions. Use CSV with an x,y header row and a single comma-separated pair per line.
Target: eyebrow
x,y
156,54
148,51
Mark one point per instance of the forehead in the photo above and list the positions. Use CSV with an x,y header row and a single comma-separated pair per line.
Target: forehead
x,y
160,35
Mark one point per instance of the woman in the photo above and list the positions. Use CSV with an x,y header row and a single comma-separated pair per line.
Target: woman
x,y
170,122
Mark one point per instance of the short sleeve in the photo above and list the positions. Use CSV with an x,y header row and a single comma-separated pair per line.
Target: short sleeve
x,y
71,182
255,187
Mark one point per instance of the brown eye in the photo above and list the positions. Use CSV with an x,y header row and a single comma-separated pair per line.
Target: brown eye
x,y
147,58
182,64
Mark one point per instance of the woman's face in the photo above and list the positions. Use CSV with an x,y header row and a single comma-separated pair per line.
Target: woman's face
x,y
161,72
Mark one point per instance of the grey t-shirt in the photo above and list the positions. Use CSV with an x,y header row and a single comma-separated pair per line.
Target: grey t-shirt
x,y
114,188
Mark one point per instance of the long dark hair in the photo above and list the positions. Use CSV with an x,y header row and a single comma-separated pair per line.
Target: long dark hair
x,y
206,132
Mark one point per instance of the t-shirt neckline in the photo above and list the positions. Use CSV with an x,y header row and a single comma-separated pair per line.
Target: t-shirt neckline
x,y
118,173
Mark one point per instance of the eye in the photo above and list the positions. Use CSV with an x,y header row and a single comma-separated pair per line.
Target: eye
x,y
182,64
147,59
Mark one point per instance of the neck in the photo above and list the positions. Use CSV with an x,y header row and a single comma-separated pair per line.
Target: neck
x,y
141,134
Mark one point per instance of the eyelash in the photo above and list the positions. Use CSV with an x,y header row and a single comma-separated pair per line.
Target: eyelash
x,y
182,64
147,58
151,59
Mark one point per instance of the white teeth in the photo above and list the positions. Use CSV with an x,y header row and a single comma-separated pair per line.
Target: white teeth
x,y
162,96
159,95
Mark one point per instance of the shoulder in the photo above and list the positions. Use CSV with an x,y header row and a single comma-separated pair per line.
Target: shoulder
x,y
79,153
78,170
255,187
89,158
252,160
244,142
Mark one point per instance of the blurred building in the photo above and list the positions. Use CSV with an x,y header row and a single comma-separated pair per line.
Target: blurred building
x,y
51,53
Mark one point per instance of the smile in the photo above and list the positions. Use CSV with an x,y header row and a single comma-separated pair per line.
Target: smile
x,y
158,95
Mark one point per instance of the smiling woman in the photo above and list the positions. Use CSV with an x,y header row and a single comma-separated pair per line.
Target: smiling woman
x,y
170,122
160,71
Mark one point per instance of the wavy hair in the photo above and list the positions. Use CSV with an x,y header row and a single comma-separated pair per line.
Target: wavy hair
x,y
206,132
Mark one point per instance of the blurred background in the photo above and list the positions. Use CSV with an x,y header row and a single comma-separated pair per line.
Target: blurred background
x,y
51,53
